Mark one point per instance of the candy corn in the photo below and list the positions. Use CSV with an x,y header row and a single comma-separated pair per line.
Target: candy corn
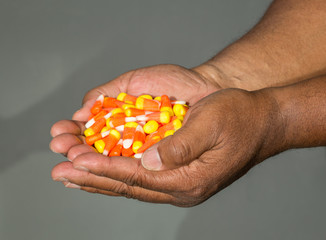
x,y
128,125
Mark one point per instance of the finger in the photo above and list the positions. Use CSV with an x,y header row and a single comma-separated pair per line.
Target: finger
x,y
131,172
83,113
62,143
100,191
186,145
65,171
76,150
67,126
90,189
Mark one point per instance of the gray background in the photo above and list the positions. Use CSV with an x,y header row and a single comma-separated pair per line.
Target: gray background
x,y
52,52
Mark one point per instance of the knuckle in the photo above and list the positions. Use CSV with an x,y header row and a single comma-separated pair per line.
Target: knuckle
x,y
124,190
86,180
197,192
135,178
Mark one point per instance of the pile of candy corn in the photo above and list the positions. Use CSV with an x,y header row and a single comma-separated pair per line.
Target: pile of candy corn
x,y
128,125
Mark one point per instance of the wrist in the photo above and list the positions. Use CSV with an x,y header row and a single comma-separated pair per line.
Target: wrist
x,y
271,123
235,71
212,74
302,108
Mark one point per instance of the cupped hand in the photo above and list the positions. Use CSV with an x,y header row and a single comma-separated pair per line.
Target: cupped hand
x,y
224,135
175,81
172,80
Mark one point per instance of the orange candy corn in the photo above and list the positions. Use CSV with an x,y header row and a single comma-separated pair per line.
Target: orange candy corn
x,y
110,141
162,117
133,112
97,107
109,102
119,115
127,152
139,139
116,151
148,144
166,105
90,140
147,104
133,124
115,122
101,114
129,134
173,125
97,117
124,105
124,97
97,126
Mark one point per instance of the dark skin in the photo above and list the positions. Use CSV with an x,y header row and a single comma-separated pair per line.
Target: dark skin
x,y
193,170
226,131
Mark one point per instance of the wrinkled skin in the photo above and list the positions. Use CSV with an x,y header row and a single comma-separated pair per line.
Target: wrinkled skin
x,y
208,153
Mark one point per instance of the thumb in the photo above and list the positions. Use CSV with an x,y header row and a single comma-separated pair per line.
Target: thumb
x,y
186,145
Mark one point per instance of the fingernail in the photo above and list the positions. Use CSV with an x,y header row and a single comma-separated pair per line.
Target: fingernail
x,y
61,179
72,185
53,151
151,159
51,148
82,168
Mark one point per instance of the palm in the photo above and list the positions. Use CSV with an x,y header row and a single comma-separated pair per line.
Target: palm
x,y
175,81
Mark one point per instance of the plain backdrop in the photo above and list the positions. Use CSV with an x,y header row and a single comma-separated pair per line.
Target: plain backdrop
x,y
52,52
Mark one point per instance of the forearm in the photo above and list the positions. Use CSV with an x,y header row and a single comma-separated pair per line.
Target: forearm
x,y
298,116
286,46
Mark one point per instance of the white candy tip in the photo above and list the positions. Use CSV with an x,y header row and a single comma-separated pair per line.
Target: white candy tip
x,y
105,152
127,143
130,119
179,102
100,98
139,129
120,128
138,155
108,115
105,134
142,123
141,118
90,123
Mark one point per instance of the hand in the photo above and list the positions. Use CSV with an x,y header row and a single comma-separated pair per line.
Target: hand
x,y
175,81
223,136
172,80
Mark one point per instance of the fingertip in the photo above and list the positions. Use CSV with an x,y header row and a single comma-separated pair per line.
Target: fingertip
x,y
62,143
56,128
88,160
58,172
77,150
66,126
83,113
